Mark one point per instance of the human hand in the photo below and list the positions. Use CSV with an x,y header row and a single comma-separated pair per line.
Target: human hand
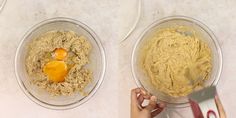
x,y
220,107
138,95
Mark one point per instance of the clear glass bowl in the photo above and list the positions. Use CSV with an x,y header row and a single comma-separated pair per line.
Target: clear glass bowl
x,y
200,28
97,64
2,4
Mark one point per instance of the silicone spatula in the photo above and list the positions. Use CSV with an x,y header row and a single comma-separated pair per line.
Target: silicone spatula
x,y
205,99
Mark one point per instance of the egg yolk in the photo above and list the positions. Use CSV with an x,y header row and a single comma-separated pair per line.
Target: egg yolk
x,y
56,70
60,54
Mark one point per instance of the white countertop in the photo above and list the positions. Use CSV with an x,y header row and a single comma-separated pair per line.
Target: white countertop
x,y
110,19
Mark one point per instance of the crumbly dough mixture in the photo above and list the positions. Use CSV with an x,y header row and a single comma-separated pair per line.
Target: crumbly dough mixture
x,y
176,60
40,52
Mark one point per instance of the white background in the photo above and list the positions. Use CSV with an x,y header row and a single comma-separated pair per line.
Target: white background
x,y
111,20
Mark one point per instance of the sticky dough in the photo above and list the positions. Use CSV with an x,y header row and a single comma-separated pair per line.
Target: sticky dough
x,y
40,52
176,60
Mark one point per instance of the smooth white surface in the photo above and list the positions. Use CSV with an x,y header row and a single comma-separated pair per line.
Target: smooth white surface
x,y
110,19
18,16
218,15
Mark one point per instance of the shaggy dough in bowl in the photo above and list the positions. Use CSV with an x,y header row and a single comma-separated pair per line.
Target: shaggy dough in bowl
x,y
176,60
74,56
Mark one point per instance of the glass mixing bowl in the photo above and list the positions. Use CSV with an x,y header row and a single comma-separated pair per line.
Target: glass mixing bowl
x,y
202,30
97,64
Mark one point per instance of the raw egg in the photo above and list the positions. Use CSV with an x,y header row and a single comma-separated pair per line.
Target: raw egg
x,y
60,54
55,70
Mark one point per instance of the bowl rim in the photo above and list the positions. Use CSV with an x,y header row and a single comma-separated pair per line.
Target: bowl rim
x,y
3,5
98,83
189,19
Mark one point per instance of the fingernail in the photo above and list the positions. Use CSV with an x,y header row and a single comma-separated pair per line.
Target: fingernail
x,y
144,92
153,98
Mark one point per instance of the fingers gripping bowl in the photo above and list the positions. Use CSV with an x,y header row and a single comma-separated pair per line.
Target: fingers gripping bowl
x,y
81,58
175,56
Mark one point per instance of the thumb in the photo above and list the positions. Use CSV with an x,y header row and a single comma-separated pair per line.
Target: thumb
x,y
152,103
